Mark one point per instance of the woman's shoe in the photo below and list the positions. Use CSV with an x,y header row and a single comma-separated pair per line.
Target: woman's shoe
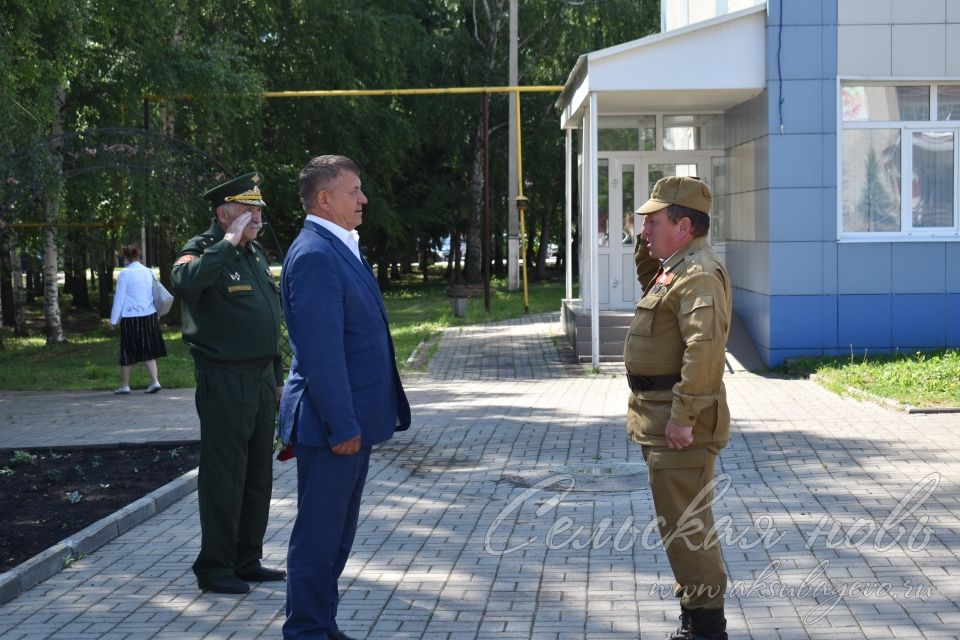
x,y
122,391
153,388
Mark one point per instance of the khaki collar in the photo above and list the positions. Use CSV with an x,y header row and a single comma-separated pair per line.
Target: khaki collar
x,y
697,243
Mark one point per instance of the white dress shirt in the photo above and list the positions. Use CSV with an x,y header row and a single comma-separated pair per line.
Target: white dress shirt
x,y
349,238
134,295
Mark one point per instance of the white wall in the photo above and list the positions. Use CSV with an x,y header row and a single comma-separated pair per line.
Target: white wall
x,y
898,38
680,13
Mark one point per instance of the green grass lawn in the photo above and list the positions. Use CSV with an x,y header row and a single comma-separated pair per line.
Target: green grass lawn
x,y
922,379
88,361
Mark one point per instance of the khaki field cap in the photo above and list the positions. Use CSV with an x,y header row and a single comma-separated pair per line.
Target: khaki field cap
x,y
682,190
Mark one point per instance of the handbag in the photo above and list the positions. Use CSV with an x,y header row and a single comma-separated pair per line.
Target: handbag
x,y
162,299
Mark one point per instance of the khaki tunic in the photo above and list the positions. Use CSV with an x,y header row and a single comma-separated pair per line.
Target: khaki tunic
x,y
680,327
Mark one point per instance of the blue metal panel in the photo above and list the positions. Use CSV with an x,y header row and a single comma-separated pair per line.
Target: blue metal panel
x,y
795,160
754,311
953,320
764,354
864,268
753,267
795,214
801,57
828,167
919,321
828,34
795,13
746,121
830,321
829,12
953,267
864,321
796,322
829,267
919,268
828,89
796,268
802,106
829,211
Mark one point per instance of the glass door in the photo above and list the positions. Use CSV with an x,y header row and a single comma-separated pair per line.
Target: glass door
x,y
617,200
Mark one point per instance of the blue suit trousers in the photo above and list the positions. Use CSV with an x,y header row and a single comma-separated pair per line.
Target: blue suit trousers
x,y
329,488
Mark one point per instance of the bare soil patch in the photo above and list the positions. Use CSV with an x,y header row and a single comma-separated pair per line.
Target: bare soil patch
x,y
47,495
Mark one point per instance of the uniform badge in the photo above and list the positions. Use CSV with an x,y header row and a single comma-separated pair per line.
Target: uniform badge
x,y
235,276
665,279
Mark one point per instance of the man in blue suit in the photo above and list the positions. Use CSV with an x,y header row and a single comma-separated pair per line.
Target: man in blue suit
x,y
343,394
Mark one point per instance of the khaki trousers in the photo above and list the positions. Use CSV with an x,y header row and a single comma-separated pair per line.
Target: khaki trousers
x,y
677,478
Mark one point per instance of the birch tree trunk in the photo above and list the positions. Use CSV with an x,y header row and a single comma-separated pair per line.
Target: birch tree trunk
x,y
51,301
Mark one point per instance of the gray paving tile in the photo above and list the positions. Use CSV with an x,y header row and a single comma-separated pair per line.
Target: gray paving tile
x,y
829,529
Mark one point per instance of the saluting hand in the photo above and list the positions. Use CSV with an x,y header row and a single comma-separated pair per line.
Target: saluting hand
x,y
234,233
347,448
678,436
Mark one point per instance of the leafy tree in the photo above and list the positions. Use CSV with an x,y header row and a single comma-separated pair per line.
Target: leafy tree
x,y
875,209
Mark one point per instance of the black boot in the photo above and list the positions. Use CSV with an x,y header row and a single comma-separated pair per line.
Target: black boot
x,y
708,624
685,631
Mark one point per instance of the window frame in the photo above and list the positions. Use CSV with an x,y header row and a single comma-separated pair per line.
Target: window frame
x,y
907,232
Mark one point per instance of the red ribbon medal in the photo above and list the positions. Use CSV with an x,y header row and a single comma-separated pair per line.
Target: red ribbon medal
x,y
665,278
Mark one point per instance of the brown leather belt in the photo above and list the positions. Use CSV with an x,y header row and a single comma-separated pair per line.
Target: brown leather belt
x,y
652,383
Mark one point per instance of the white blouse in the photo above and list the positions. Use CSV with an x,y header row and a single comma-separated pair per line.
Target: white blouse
x,y
134,295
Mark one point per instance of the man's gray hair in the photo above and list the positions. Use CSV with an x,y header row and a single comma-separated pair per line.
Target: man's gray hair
x,y
317,175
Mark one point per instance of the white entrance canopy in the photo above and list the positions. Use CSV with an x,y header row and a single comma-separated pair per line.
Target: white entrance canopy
x,y
708,66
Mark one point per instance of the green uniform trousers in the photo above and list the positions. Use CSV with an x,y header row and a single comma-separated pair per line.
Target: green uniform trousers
x,y
677,478
236,404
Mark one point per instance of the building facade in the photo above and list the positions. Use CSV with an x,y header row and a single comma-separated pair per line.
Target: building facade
x,y
828,131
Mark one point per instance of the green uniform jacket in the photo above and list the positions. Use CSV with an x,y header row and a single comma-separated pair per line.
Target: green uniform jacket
x,y
231,302
680,327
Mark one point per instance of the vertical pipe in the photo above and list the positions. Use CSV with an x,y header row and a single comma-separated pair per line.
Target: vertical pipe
x,y
521,205
591,240
486,202
513,249
568,217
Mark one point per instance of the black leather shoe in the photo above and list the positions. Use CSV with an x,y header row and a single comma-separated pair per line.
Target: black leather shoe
x,y
262,574
338,635
226,584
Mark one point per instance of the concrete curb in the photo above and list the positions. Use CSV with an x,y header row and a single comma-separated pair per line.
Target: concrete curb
x,y
894,405
50,562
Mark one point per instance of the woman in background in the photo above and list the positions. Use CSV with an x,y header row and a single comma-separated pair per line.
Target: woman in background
x,y
140,338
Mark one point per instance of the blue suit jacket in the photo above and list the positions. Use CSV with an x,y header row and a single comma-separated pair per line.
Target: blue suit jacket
x,y
343,380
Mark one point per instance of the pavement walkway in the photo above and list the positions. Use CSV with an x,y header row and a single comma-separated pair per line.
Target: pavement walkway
x,y
515,508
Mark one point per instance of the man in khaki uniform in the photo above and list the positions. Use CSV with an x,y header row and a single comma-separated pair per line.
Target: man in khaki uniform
x,y
677,411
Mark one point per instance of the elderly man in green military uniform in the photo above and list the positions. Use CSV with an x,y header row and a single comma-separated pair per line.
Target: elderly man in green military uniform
x,y
677,412
231,321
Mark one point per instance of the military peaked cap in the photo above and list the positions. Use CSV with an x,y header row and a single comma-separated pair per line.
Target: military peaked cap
x,y
244,189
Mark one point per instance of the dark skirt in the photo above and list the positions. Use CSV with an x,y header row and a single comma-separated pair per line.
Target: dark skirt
x,y
140,340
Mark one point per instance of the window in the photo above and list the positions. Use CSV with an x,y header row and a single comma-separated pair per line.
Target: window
x,y
898,155
948,102
694,132
622,133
